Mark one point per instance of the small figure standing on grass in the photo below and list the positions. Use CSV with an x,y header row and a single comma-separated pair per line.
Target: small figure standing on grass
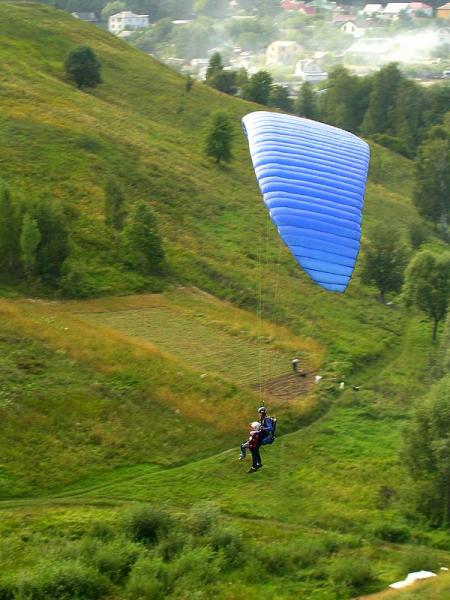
x,y
295,365
253,444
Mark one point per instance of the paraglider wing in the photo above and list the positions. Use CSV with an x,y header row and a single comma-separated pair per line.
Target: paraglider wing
x,y
312,177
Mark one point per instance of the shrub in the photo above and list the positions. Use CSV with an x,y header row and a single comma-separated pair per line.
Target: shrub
x,y
276,560
419,558
229,543
116,559
102,531
63,581
203,517
392,532
351,573
146,524
195,567
6,589
392,143
148,579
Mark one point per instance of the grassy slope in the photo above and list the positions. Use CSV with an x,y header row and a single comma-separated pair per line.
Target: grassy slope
x,y
141,126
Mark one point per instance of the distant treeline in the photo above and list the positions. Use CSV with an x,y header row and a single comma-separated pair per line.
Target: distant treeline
x,y
386,106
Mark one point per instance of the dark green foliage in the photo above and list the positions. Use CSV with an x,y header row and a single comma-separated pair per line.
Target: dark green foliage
x,y
63,580
149,578
219,137
384,260
146,524
420,558
9,234
258,88
115,559
83,68
30,238
345,101
142,243
432,178
418,234
230,544
305,105
214,66
203,517
352,574
391,532
427,285
114,205
408,113
279,98
391,142
53,248
223,81
380,114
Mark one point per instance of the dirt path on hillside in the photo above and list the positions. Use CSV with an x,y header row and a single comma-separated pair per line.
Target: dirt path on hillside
x,y
286,387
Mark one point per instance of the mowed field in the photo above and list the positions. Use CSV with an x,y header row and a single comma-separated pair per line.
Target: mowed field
x,y
194,328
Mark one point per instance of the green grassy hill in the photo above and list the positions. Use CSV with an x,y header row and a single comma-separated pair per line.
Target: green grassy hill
x,y
118,404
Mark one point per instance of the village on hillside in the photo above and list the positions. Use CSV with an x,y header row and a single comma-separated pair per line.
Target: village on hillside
x,y
300,43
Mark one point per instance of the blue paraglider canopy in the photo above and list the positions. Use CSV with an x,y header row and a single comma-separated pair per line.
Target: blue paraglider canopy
x,y
312,177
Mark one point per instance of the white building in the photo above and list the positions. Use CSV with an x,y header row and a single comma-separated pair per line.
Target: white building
x,y
282,53
127,21
393,9
372,10
309,70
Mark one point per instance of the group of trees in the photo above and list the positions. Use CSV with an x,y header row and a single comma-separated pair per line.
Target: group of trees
x,y
136,238
424,279
386,106
33,239
35,245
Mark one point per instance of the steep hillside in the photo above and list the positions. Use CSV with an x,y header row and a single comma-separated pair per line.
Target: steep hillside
x,y
121,416
142,126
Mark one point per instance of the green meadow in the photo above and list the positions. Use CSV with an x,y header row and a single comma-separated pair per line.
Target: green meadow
x,y
121,415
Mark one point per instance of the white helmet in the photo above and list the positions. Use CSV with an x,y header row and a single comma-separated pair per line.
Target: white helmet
x,y
256,425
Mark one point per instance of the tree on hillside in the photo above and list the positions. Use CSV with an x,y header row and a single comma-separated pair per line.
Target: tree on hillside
x,y
258,88
83,67
219,78
114,205
408,113
432,178
345,101
427,454
219,137
142,242
9,234
380,114
305,105
384,261
53,248
30,238
279,98
427,285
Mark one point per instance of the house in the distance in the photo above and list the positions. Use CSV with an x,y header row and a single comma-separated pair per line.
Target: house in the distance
x,y
418,9
282,53
127,21
354,28
392,10
372,10
443,12
309,70
298,6
89,17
